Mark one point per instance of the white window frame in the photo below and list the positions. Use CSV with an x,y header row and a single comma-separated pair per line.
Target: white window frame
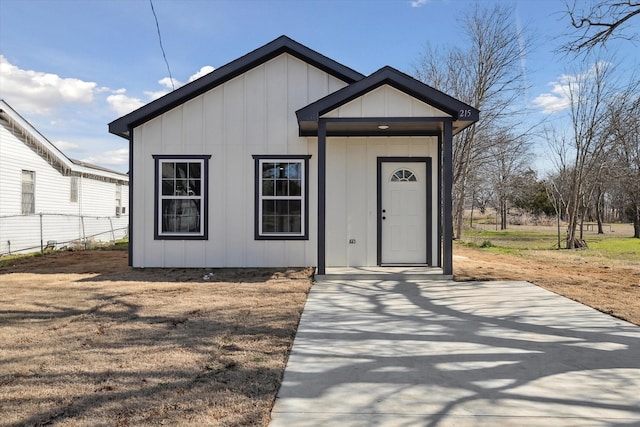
x,y
303,161
203,161
73,189
31,193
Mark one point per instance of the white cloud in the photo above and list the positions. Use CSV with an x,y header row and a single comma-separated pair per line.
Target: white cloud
x,y
66,146
418,3
35,92
557,100
202,72
119,157
123,104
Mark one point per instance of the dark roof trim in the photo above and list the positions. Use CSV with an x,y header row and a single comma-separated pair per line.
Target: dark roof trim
x,y
282,44
392,77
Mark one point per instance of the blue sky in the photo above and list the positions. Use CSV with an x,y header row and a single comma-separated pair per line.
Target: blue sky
x,y
72,66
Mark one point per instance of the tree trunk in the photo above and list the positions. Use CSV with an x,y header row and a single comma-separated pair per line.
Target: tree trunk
x,y
503,214
636,223
599,211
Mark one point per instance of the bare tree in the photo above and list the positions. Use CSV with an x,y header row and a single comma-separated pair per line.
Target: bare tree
x,y
595,23
487,75
510,158
581,154
625,158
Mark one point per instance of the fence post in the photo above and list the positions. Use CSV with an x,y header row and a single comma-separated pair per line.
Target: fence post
x,y
84,239
113,235
41,236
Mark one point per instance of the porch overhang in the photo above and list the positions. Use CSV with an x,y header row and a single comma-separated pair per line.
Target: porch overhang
x,y
432,114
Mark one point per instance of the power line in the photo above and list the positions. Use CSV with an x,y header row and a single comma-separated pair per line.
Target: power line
x,y
162,47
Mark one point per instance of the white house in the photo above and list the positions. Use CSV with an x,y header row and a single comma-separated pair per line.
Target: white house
x,y
285,157
47,198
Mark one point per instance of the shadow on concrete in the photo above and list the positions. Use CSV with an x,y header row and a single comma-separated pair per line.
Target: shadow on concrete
x,y
444,353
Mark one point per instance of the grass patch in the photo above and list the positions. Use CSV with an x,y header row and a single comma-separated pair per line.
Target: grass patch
x,y
615,248
517,241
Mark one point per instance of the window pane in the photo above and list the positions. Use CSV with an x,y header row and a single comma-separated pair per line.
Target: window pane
x,y
282,187
168,169
194,187
268,187
268,207
269,170
295,188
180,216
268,224
181,187
194,170
182,170
293,170
168,187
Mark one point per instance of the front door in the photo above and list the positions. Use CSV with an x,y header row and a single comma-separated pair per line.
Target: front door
x,y
402,215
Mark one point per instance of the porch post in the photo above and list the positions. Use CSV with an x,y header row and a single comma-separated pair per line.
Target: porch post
x,y
322,193
447,199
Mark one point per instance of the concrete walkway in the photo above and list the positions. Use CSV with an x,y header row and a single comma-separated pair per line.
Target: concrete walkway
x,y
440,353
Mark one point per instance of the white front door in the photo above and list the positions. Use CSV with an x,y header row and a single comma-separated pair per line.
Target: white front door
x,y
404,212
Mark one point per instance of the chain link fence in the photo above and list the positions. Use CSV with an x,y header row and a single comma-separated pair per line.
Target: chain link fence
x,y
39,232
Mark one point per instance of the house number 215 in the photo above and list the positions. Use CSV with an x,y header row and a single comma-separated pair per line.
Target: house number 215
x,y
465,113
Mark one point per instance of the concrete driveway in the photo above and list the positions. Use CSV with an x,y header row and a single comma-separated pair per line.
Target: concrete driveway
x,y
441,353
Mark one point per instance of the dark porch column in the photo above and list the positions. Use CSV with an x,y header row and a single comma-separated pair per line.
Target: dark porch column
x,y
447,199
322,193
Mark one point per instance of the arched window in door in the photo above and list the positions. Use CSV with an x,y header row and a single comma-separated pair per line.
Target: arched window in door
x,y
403,175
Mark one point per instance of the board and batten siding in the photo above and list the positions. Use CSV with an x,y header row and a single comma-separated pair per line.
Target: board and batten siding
x,y
352,175
352,194
385,101
252,114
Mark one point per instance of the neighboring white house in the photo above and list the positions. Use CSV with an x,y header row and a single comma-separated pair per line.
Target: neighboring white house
x,y
47,198
285,157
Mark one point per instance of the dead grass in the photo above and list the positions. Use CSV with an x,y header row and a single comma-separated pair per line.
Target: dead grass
x,y
87,341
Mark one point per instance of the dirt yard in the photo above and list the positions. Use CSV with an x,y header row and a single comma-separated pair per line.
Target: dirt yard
x,y
612,287
87,341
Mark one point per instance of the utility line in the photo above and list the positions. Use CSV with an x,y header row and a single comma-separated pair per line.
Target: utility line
x,y
162,47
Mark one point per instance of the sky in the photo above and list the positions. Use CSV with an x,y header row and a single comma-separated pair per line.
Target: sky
x,y
70,67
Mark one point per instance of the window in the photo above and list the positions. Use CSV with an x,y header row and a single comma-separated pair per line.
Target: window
x,y
281,197
119,210
181,197
28,192
403,175
73,198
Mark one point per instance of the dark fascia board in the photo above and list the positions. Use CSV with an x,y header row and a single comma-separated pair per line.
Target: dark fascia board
x,y
391,76
282,44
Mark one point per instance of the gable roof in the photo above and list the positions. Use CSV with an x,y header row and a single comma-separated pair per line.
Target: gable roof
x,y
27,133
308,116
282,44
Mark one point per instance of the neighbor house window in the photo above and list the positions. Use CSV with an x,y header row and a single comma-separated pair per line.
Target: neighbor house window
x,y
181,197
281,188
74,190
119,200
28,192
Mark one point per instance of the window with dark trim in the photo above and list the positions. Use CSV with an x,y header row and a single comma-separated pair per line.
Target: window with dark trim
x,y
281,206
181,197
